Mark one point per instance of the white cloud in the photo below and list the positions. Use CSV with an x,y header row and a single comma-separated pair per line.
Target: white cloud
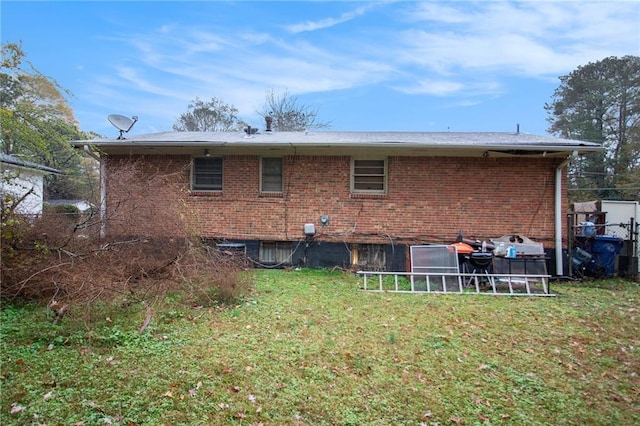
x,y
251,59
538,39
439,13
134,80
459,51
458,88
433,87
328,22
439,44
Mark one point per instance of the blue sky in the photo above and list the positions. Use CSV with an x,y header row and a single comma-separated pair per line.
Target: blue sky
x,y
366,66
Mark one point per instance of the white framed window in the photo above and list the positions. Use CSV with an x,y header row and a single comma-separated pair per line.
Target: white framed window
x,y
369,176
275,252
206,174
271,174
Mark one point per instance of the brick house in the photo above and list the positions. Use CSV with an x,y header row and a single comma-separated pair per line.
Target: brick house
x,y
323,199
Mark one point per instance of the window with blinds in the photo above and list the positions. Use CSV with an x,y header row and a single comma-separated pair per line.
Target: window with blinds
x,y
275,252
271,174
206,174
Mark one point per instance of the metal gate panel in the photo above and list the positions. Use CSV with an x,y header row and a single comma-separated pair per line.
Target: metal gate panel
x,y
439,264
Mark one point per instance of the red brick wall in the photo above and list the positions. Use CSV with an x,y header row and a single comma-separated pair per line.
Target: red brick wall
x,y
429,199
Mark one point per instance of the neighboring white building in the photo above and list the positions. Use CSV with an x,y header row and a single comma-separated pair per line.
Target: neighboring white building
x,y
613,215
619,214
20,177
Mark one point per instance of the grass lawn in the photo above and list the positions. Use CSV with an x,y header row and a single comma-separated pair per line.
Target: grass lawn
x,y
310,348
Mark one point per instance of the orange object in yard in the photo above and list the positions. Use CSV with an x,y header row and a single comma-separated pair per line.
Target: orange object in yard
x,y
463,248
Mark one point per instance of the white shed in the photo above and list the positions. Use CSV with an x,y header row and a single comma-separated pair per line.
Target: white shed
x,y
620,211
21,178
618,216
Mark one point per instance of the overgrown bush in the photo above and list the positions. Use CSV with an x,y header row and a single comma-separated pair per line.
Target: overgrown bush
x,y
61,260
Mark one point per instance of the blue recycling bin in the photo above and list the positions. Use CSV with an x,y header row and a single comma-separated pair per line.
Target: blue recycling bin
x,y
605,250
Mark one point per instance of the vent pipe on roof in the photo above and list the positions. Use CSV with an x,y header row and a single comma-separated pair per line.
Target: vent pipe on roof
x,y
517,129
250,130
269,120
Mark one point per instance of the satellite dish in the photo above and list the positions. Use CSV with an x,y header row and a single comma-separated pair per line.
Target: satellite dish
x,y
122,123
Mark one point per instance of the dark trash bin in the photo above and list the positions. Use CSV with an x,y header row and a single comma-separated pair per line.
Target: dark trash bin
x,y
580,259
605,250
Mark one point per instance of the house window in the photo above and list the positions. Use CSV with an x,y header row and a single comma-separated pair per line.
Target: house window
x,y
369,176
271,174
368,256
275,252
206,174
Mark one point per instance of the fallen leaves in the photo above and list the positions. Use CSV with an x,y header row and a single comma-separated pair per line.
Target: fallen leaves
x,y
278,371
483,418
194,391
16,408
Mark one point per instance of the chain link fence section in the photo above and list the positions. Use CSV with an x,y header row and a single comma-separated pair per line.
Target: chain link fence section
x,y
620,230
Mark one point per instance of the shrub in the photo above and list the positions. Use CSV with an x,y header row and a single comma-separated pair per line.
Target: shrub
x,y
67,265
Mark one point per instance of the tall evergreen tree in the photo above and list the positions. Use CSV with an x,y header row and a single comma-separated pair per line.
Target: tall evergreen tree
x,y
600,102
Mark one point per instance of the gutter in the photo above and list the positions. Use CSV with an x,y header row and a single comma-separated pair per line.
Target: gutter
x,y
18,162
498,148
103,191
558,212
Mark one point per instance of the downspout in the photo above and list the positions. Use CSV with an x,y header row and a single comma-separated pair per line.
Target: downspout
x,y
103,191
558,212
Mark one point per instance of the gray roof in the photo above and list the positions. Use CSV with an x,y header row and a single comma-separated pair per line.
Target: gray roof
x,y
16,161
483,140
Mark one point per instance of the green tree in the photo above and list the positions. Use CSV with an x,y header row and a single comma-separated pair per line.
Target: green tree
x,y
600,102
38,124
212,116
288,115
